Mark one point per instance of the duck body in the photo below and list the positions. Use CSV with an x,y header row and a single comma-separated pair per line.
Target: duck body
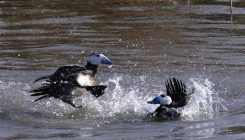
x,y
69,82
170,104
163,112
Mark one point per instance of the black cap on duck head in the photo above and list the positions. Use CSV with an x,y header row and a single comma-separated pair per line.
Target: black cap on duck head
x,y
97,59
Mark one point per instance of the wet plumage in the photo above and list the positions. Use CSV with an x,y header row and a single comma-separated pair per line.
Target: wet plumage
x,y
170,103
69,82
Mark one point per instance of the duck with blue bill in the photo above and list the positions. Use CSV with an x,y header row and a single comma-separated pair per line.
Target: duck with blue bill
x,y
69,82
170,104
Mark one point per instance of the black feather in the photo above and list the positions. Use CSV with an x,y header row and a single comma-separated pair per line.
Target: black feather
x,y
40,91
97,91
176,89
42,97
63,91
62,83
41,78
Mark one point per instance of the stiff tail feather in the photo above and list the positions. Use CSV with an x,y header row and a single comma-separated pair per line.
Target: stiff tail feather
x,y
41,78
39,91
42,91
42,97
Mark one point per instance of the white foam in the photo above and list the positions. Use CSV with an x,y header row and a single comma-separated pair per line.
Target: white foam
x,y
204,103
125,98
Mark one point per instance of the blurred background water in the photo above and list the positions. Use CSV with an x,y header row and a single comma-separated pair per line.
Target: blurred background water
x,y
149,41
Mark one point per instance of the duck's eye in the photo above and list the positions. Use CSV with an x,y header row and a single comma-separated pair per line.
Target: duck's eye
x,y
98,55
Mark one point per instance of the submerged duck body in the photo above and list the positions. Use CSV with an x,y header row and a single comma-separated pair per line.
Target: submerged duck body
x,y
69,82
171,103
167,112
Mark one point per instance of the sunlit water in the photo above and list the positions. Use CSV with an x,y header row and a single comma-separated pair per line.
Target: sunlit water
x,y
201,43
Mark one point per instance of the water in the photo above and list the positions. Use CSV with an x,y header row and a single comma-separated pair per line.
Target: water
x,y
200,42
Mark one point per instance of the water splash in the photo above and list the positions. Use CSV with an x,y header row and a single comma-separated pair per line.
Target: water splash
x,y
119,101
129,101
16,103
204,103
125,99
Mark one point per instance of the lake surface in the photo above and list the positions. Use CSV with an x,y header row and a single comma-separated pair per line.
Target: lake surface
x,y
200,42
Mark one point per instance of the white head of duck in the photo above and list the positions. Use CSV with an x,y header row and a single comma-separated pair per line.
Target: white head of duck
x,y
98,58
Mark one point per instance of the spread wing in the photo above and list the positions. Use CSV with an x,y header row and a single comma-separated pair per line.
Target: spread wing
x,y
63,74
63,91
58,85
176,89
61,84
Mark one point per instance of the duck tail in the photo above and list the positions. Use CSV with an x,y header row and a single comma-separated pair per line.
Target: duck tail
x,y
42,97
176,89
43,91
41,78
40,91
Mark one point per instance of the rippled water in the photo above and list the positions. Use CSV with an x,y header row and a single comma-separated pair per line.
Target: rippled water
x,y
201,42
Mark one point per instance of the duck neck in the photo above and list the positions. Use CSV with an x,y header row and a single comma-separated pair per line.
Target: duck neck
x,y
92,67
168,106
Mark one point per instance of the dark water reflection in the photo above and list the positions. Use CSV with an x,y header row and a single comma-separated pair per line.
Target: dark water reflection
x,y
146,37
44,34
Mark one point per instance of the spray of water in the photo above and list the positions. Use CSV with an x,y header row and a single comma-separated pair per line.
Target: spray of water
x,y
125,102
119,101
204,103
125,99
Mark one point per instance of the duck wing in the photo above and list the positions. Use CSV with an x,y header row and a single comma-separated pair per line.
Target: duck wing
x,y
176,89
62,83
62,74
60,90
